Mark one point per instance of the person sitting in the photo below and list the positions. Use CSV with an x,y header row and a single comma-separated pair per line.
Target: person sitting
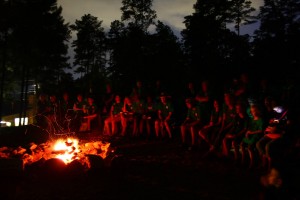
x,y
127,114
209,132
165,117
149,115
192,123
111,122
90,112
253,134
275,135
78,108
138,109
66,110
234,136
229,113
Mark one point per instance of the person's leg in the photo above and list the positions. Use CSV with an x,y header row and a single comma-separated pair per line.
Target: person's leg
x,y
183,133
202,134
235,145
243,153
124,125
114,126
261,148
106,129
225,150
88,121
157,127
251,156
193,135
217,143
168,128
149,123
141,126
272,148
135,126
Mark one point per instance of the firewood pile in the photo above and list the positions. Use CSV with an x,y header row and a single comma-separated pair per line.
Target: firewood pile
x,y
67,150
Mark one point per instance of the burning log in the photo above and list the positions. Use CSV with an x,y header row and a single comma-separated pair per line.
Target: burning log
x,y
66,150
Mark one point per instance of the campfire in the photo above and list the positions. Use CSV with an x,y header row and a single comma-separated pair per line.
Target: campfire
x,y
66,149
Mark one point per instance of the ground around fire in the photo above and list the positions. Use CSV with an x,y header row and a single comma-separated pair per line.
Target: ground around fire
x,y
140,168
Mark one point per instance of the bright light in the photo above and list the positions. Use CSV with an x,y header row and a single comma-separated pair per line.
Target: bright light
x,y
17,121
278,109
68,150
4,123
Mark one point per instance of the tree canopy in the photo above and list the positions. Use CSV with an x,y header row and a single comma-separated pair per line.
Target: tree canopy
x,y
34,43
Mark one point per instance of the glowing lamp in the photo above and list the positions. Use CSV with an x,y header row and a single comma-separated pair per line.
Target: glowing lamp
x,y
24,121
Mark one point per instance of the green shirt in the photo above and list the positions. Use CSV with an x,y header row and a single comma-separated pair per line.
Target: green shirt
x,y
165,109
254,125
116,108
194,113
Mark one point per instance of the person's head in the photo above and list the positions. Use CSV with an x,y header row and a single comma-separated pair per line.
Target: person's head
x,y
79,97
127,100
228,99
117,99
90,100
163,97
216,104
43,97
255,111
189,103
204,85
66,96
240,108
52,98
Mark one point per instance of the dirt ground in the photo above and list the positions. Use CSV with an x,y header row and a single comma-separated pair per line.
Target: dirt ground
x,y
144,169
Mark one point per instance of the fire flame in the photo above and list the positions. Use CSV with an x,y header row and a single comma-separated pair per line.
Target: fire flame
x,y
67,150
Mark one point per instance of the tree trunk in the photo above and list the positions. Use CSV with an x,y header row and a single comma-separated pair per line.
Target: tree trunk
x,y
2,77
22,94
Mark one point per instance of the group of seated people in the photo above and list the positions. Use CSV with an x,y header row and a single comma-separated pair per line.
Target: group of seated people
x,y
231,122
244,129
145,117
66,115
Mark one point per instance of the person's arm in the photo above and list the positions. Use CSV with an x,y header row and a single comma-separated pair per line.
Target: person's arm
x,y
249,132
202,99
169,116
198,121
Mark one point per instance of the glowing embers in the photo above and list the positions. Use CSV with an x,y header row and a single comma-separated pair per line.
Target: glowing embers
x,y
66,149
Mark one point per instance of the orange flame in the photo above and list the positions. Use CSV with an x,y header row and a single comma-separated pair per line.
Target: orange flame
x,y
67,150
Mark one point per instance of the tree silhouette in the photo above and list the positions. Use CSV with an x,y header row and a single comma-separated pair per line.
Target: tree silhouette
x,y
138,13
206,37
129,41
277,40
240,13
29,54
90,47
166,54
